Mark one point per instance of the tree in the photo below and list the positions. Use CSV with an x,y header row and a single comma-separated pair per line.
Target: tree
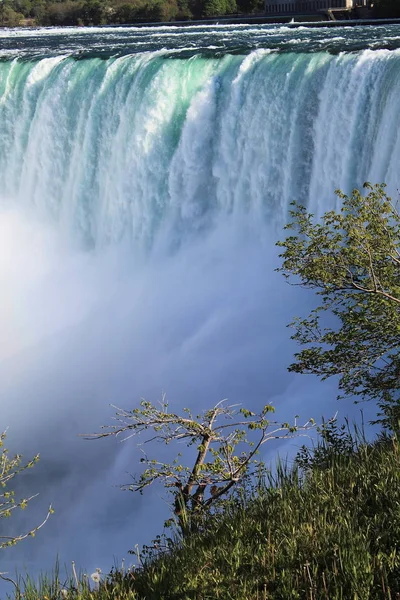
x,y
351,258
38,9
214,8
160,10
184,12
62,13
226,438
9,469
94,12
9,16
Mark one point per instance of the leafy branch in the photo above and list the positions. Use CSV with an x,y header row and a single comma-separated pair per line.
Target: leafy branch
x,y
10,467
351,259
227,439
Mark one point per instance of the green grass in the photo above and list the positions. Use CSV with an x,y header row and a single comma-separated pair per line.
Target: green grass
x,y
74,585
326,530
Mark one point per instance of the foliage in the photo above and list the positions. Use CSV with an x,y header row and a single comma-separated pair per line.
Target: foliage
x,y
335,443
351,258
75,585
62,13
8,16
9,469
226,439
102,12
94,12
213,8
330,531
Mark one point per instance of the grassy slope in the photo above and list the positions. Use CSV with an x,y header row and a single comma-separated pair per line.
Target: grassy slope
x,y
335,536
332,533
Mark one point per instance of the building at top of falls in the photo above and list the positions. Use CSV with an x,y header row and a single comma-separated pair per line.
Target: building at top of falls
x,y
330,8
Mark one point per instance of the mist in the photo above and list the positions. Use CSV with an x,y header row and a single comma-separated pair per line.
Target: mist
x,y
85,330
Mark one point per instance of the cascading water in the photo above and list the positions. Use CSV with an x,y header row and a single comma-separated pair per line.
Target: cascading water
x,y
145,175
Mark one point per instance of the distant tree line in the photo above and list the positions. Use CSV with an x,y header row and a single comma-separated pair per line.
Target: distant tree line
x,y
15,13
102,12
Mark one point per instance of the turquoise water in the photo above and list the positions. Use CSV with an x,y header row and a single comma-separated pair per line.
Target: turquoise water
x,y
129,142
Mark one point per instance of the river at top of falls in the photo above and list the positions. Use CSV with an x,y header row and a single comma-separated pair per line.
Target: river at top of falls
x,y
185,41
145,175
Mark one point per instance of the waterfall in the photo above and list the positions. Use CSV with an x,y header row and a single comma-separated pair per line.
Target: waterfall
x,y
126,147
140,198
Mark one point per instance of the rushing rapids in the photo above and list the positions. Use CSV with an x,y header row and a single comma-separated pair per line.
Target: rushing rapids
x,y
145,175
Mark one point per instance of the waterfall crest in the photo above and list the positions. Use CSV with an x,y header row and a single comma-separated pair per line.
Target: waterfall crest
x,y
126,147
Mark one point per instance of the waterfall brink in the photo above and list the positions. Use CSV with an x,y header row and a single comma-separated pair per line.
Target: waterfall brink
x,y
130,146
140,199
